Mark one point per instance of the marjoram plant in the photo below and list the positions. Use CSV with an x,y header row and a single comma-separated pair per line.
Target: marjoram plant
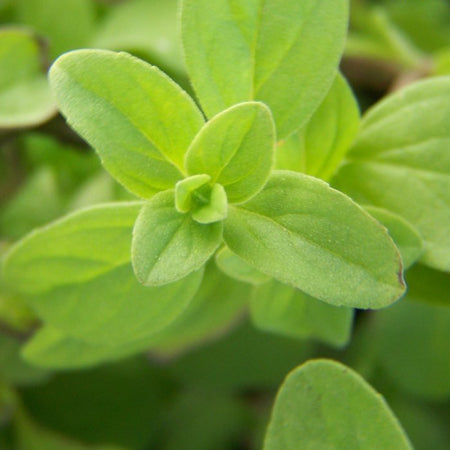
x,y
264,190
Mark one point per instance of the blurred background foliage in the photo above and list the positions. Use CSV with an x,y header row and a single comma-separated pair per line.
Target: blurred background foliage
x,y
213,390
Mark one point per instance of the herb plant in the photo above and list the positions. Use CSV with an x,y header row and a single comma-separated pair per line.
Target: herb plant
x,y
260,190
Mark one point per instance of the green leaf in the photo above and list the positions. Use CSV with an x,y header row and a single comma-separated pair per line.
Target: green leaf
x,y
303,233
207,204
318,148
168,245
282,309
404,235
401,162
216,208
211,312
235,267
138,120
274,51
25,98
413,347
324,404
77,276
428,285
66,25
185,189
236,148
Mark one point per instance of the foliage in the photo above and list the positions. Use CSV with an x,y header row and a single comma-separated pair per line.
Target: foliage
x,y
243,213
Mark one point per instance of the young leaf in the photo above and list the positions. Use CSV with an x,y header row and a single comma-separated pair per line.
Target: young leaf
x,y
216,208
303,233
413,347
139,121
236,148
324,404
318,148
235,267
168,245
282,309
404,235
77,276
268,50
401,162
25,97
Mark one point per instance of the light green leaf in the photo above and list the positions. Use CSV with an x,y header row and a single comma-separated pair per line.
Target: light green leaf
x,y
77,248
325,405
236,148
413,347
235,267
185,189
168,245
66,25
78,278
25,98
138,120
274,51
318,148
216,208
213,309
428,285
404,235
401,162
283,309
303,233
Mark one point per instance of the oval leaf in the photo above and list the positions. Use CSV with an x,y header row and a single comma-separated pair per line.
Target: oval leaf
x,y
138,120
76,275
259,49
168,245
303,233
401,162
324,404
236,148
